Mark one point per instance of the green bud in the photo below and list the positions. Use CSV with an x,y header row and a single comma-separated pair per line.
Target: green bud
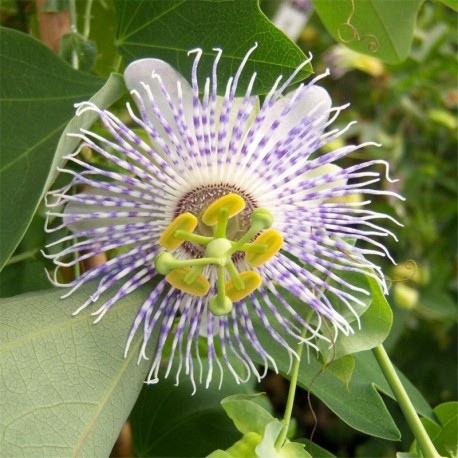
x,y
164,262
262,217
218,308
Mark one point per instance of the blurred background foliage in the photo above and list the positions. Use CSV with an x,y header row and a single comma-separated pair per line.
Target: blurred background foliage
x,y
411,109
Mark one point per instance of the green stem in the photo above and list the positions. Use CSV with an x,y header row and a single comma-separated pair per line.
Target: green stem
x,y
191,237
22,256
87,19
73,29
221,285
195,262
424,442
117,63
291,394
235,276
221,227
252,231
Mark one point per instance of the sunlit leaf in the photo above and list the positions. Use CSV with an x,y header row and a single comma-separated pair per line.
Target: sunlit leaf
x,y
267,446
372,27
65,385
169,29
246,413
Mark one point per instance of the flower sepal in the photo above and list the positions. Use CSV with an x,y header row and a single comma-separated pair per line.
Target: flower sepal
x,y
260,431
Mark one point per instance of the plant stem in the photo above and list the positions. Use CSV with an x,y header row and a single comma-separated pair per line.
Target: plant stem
x,y
87,19
22,256
424,442
291,394
73,29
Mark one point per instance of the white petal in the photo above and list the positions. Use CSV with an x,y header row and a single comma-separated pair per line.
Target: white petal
x,y
73,208
324,170
142,72
314,101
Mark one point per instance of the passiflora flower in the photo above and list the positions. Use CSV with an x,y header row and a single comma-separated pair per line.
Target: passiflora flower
x,y
223,206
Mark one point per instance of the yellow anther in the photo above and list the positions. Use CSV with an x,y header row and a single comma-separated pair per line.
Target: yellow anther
x,y
185,222
272,240
251,281
232,203
199,287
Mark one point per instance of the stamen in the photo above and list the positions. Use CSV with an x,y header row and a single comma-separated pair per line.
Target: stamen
x,y
233,203
199,287
185,222
260,219
271,241
251,281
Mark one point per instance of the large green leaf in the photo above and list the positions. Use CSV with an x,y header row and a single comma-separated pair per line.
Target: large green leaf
x,y
379,28
352,393
112,90
444,434
65,386
375,325
356,402
37,94
171,421
367,370
169,29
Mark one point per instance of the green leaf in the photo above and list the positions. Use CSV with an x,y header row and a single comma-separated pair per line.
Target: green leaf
x,y
171,421
375,327
37,94
358,404
377,28
243,447
169,29
65,385
26,270
315,450
111,91
247,415
342,368
220,454
85,50
367,370
438,305
266,448
444,434
451,4
103,31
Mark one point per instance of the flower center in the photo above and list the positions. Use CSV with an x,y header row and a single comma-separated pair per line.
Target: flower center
x,y
197,201
219,248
